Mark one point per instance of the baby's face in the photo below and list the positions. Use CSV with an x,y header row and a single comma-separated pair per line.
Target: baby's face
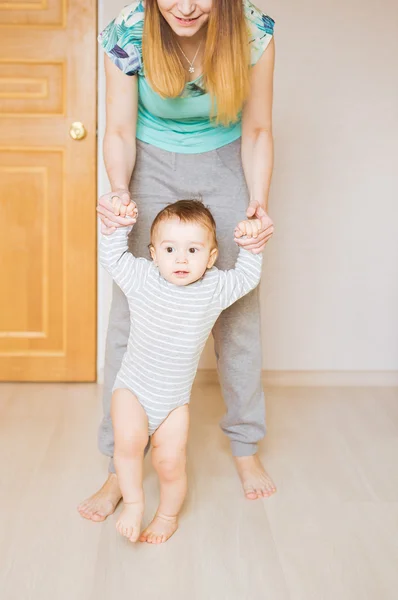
x,y
182,251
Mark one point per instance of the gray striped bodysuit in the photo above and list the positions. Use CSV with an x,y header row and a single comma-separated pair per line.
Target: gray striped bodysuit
x,y
169,324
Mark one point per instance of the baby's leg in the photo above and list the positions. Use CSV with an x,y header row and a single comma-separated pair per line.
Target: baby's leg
x,y
130,426
169,457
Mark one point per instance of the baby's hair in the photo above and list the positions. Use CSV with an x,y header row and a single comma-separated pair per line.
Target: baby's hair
x,y
188,211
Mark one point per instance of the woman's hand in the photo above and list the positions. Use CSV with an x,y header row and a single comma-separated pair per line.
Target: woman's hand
x,y
257,243
107,210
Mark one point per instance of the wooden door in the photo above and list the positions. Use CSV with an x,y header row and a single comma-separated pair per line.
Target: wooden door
x,y
48,80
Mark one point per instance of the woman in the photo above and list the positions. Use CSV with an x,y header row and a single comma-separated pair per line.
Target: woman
x,y
187,117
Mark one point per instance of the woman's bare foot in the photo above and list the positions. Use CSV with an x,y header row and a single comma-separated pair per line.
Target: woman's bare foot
x,y
255,480
102,503
129,522
160,530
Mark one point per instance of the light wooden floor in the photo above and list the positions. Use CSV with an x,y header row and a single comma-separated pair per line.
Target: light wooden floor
x,y
331,532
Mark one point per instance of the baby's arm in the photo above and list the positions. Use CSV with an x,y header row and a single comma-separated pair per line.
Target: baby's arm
x,y
114,255
237,282
249,228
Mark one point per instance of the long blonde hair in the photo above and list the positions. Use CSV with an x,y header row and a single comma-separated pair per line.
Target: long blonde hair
x,y
226,58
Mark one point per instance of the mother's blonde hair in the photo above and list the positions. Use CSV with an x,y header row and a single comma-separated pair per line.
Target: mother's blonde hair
x,y
226,58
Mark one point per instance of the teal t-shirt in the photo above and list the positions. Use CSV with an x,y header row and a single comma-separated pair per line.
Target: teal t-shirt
x,y
180,124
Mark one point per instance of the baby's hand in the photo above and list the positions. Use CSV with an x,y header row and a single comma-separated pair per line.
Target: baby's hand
x,y
250,228
122,210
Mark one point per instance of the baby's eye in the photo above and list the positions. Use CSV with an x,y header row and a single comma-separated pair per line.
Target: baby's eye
x,y
169,249
193,250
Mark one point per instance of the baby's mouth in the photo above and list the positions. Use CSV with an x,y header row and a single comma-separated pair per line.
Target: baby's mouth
x,y
181,273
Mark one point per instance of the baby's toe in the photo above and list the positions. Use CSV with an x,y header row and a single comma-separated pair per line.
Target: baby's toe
x,y
130,532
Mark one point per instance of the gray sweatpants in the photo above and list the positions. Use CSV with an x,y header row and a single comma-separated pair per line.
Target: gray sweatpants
x,y
161,177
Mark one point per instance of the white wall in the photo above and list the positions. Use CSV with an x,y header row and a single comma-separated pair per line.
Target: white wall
x,y
330,281
105,14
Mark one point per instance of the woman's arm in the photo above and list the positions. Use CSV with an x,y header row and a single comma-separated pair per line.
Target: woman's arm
x,y
121,120
257,139
119,141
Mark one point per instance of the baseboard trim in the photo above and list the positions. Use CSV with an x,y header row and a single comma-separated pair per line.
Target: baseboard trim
x,y
308,378
100,375
316,378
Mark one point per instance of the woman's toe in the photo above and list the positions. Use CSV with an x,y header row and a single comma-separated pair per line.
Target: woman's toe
x,y
97,516
250,493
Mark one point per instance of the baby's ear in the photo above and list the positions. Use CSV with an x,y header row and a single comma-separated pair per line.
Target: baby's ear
x,y
212,258
152,252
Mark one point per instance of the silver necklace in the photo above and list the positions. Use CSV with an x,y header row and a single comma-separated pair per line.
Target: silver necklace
x,y
191,68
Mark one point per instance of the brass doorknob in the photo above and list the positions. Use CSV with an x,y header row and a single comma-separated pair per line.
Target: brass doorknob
x,y
77,131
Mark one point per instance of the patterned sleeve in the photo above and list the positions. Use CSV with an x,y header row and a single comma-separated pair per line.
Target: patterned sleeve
x,y
261,30
122,38
241,280
128,271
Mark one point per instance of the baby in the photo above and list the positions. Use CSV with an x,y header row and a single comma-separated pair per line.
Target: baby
x,y
174,301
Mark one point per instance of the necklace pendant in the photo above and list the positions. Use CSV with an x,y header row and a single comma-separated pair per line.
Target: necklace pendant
x,y
191,69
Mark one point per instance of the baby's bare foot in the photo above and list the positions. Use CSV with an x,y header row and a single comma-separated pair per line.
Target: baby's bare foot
x,y
160,530
255,480
102,503
129,522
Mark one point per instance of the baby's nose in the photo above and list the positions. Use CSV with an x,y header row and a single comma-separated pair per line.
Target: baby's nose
x,y
182,258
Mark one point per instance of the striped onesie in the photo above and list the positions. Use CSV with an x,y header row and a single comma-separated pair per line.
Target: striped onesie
x,y
169,324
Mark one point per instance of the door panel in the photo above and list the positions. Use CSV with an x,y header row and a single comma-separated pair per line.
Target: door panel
x,y
47,191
